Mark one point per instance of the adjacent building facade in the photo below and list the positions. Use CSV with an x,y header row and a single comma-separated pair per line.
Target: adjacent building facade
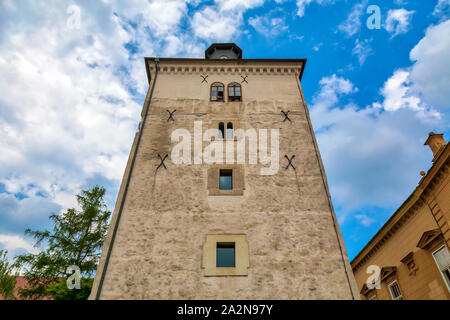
x,y
411,250
224,195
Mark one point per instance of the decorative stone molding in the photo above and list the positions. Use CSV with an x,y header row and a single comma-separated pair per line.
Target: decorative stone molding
x,y
237,178
242,261
408,260
189,69
428,237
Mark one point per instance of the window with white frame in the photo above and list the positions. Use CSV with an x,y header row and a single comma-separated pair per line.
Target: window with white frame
x,y
394,289
442,258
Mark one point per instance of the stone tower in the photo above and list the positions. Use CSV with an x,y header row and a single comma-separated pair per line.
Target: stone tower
x,y
224,195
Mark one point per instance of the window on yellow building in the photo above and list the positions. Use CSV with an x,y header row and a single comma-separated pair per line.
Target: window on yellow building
x,y
442,258
394,290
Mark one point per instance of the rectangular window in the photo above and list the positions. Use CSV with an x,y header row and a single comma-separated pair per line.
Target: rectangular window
x,y
442,258
220,94
394,289
226,179
225,255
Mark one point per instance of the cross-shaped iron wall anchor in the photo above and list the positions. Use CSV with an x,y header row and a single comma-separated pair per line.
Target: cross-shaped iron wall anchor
x,y
286,115
171,115
244,79
162,161
204,78
290,161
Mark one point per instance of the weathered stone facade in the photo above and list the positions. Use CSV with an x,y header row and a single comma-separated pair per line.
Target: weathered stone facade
x,y
295,246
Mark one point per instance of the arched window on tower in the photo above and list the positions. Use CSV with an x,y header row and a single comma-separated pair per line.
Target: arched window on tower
x,y
229,130
217,91
221,130
234,92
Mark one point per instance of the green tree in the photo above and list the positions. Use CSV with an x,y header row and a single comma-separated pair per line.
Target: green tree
x,y
8,274
76,240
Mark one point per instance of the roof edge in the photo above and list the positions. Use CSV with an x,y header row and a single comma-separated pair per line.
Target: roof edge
x,y
146,59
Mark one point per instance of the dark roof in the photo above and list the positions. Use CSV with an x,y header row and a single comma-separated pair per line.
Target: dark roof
x,y
231,46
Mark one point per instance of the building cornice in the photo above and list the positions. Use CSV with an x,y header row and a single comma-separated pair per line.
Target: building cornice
x,y
247,66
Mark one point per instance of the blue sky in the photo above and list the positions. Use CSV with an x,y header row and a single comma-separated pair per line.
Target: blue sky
x,y
73,83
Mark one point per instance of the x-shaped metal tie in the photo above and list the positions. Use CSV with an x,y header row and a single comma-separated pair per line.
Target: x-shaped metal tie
x,y
171,115
244,79
286,115
204,78
162,161
290,161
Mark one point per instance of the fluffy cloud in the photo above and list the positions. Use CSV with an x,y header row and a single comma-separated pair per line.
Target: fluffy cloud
x,y
373,154
370,154
442,9
240,5
268,25
223,20
14,242
211,24
365,220
353,22
429,73
398,21
302,4
397,94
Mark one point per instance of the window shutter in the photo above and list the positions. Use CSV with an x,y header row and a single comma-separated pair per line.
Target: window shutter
x,y
442,258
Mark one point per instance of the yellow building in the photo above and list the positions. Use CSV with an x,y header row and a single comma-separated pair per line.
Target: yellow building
x,y
410,253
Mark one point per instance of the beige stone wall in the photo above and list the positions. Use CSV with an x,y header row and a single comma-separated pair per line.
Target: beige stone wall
x,y
294,251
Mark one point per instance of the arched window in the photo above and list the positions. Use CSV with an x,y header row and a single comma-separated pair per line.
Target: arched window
x,y
234,92
217,91
229,130
221,130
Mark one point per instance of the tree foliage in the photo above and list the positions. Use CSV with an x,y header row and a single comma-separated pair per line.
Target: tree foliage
x,y
60,291
76,240
7,276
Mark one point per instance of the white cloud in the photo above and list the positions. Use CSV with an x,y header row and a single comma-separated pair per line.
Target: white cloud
x,y
398,21
365,220
397,94
373,154
210,24
370,154
222,21
302,4
241,5
267,25
15,242
362,49
430,72
442,9
353,22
